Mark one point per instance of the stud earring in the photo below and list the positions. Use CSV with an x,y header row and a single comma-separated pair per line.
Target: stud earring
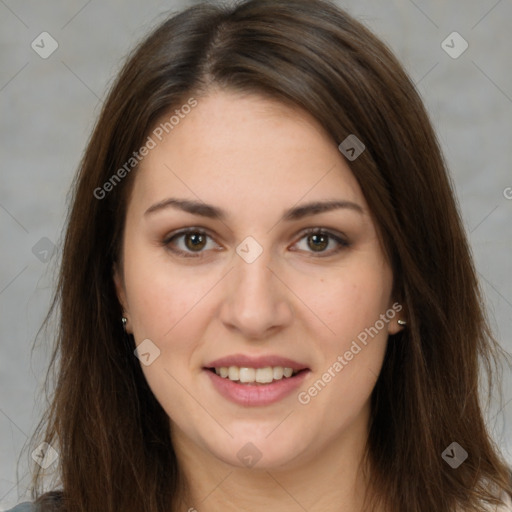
x,y
124,320
402,322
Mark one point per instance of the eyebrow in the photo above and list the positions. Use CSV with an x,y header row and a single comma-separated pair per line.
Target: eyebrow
x,y
213,212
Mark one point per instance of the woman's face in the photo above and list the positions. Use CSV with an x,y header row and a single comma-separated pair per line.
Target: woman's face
x,y
263,280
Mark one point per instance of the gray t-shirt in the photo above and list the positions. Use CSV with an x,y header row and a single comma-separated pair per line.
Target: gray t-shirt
x,y
30,507
24,507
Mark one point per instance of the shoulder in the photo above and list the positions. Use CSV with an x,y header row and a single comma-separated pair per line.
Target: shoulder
x,y
24,507
505,507
52,500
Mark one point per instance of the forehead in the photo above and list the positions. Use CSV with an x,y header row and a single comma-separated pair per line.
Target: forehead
x,y
239,150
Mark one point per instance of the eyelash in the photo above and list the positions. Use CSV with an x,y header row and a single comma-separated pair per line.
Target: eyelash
x,y
342,244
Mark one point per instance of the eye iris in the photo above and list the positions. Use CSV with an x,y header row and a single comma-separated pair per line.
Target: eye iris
x,y
194,241
320,241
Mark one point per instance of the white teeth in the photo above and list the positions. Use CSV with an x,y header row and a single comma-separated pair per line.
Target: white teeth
x,y
233,373
246,374
250,375
278,372
264,375
287,372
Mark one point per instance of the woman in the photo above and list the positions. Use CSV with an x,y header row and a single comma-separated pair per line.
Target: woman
x,y
267,300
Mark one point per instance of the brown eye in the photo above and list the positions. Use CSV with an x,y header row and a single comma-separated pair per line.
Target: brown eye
x,y
189,243
321,242
318,242
195,241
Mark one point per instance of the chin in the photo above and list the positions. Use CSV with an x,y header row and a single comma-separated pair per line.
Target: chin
x,y
260,450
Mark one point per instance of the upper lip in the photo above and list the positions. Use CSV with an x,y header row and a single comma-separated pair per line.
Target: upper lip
x,y
245,361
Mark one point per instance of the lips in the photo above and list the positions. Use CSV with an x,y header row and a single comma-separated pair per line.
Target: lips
x,y
245,361
256,393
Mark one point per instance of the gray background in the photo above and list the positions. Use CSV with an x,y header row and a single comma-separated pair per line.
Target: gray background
x,y
48,106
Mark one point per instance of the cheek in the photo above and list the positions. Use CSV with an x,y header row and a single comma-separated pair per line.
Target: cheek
x,y
170,307
166,308
352,348
348,301
161,296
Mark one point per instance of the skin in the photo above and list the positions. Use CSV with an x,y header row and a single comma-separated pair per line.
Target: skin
x,y
255,158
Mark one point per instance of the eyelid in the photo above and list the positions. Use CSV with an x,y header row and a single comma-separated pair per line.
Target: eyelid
x,y
185,231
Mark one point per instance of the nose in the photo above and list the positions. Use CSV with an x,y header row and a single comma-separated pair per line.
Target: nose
x,y
256,302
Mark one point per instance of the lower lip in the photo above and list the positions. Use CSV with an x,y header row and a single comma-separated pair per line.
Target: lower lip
x,y
254,395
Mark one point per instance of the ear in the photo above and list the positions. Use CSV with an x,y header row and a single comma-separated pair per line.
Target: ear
x,y
117,276
397,311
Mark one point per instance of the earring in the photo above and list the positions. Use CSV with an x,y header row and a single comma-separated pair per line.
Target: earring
x,y
402,322
123,319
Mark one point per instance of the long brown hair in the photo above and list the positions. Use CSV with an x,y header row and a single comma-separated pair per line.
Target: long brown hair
x,y
111,433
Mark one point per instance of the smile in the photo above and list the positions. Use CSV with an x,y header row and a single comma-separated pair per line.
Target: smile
x,y
246,375
253,393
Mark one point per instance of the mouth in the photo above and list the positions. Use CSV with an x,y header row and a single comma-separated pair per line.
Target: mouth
x,y
250,380
255,387
256,376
